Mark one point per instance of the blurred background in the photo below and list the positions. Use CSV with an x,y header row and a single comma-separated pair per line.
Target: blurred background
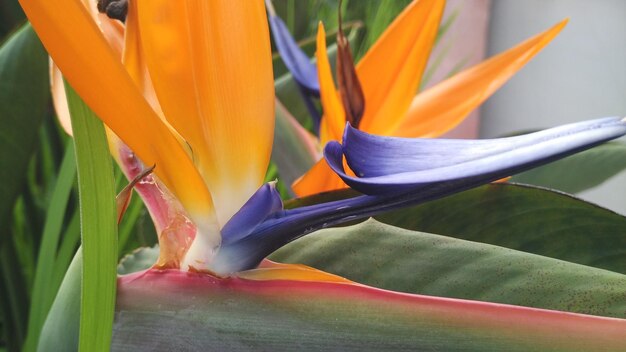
x,y
580,75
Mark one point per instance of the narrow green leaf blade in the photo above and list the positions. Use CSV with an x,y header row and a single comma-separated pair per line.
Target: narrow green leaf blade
x,y
44,286
98,226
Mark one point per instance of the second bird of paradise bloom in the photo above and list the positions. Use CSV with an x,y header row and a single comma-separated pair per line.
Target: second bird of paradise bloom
x,y
192,93
390,74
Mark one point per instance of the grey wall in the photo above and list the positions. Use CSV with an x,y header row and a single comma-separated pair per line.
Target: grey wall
x,y
580,75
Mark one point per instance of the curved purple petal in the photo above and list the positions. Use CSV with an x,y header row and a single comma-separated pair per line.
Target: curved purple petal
x,y
391,164
300,66
264,203
410,178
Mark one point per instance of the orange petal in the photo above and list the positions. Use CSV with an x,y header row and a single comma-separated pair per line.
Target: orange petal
x,y
392,69
210,63
269,270
134,59
320,178
114,33
444,106
334,119
87,61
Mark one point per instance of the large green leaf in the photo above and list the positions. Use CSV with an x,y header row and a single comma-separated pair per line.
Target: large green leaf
x,y
579,172
388,257
98,218
520,217
525,218
23,103
172,310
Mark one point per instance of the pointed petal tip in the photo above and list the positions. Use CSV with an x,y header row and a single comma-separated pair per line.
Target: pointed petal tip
x,y
270,8
385,164
299,64
441,108
557,28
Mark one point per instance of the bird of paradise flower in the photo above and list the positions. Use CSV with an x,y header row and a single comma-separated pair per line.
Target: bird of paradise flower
x,y
193,95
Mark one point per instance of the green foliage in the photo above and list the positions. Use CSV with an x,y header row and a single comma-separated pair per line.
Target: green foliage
x,y
23,102
140,259
234,315
401,260
525,218
98,218
11,15
60,331
302,20
45,280
579,172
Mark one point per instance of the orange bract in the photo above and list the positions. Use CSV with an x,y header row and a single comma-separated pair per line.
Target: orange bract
x,y
89,64
210,63
192,94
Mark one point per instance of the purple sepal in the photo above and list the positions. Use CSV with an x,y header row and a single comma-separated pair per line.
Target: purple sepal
x,y
300,66
390,164
431,169
264,203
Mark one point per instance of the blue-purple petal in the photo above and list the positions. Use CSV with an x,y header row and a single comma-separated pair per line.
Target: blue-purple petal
x,y
300,66
420,170
389,164
264,203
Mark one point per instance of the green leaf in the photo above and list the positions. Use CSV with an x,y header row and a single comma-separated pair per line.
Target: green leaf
x,y
67,247
173,310
44,286
388,257
60,331
294,150
525,218
520,217
580,171
23,102
11,15
14,302
378,15
98,215
140,259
